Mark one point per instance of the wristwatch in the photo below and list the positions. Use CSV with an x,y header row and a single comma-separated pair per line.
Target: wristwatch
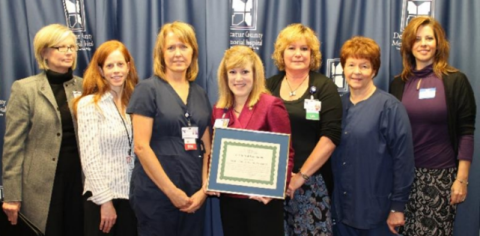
x,y
304,176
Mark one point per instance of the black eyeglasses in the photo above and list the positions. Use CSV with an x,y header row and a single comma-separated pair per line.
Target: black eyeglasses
x,y
72,48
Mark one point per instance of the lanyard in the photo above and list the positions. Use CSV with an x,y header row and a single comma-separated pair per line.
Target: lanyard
x,y
126,130
187,116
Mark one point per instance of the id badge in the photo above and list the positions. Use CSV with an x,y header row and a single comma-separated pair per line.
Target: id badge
x,y
313,108
76,93
190,144
222,123
427,93
130,162
189,132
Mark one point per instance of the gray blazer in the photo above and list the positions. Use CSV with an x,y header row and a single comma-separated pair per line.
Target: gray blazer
x,y
32,141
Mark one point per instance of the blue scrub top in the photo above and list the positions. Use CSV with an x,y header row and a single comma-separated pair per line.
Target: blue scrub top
x,y
155,98
373,167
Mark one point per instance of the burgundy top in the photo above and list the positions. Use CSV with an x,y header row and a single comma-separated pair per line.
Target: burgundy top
x,y
428,117
269,114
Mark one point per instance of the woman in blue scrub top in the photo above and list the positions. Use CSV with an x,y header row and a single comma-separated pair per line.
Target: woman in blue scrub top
x,y
373,166
171,115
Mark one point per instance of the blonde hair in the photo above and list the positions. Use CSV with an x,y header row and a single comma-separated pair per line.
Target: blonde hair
x,y
293,33
235,57
186,34
440,61
50,36
95,83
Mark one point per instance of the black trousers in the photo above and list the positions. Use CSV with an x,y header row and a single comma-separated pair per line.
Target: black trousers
x,y
247,217
125,225
65,215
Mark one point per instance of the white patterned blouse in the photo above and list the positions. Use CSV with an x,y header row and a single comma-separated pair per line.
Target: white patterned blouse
x,y
106,148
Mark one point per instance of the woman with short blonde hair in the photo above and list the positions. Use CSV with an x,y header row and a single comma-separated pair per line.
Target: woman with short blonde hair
x,y
42,175
315,128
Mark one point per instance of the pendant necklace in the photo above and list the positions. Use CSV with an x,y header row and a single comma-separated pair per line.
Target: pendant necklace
x,y
294,92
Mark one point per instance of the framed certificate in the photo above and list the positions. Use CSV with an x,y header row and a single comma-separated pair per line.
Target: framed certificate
x,y
249,162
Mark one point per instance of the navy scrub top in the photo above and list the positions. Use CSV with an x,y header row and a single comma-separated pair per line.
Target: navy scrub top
x,y
155,98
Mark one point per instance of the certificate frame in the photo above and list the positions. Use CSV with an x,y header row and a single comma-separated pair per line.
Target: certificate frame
x,y
266,178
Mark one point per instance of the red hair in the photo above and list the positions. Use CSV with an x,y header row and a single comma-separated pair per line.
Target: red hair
x,y
93,81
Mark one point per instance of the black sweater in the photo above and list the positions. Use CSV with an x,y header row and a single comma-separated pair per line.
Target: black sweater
x,y
461,107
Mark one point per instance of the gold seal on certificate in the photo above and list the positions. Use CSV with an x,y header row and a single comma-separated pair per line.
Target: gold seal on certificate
x,y
249,162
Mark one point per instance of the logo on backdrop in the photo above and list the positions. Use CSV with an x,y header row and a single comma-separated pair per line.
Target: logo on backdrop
x,y
3,107
410,10
243,26
75,17
335,72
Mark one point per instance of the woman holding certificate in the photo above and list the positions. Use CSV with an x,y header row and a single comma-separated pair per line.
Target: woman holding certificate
x,y
244,103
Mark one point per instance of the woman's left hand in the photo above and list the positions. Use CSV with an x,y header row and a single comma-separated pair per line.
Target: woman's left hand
x,y
459,192
295,182
197,200
264,200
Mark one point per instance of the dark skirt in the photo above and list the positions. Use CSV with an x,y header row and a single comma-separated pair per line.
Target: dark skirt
x,y
429,211
308,213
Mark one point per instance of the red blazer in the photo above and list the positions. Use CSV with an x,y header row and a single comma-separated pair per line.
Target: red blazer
x,y
269,114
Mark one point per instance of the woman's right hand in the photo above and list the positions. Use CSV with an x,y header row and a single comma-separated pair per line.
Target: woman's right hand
x,y
11,209
179,199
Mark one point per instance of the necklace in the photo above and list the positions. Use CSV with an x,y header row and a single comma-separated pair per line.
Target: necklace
x,y
294,92
236,111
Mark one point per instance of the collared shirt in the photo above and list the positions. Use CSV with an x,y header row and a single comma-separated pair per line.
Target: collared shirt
x,y
374,165
104,148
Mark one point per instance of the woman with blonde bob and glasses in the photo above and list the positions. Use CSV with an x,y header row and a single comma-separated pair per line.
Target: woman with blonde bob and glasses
x,y
315,112
441,107
246,104
171,119
105,140
42,175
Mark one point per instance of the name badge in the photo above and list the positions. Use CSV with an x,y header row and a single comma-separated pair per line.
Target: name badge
x,y
221,123
427,93
189,132
77,94
313,108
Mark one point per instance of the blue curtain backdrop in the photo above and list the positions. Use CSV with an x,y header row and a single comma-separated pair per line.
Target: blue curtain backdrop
x,y
220,24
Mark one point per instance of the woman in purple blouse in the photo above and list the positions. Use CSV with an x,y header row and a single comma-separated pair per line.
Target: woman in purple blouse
x,y
441,107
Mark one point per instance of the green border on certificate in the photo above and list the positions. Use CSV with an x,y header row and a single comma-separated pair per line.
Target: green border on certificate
x,y
251,152
249,162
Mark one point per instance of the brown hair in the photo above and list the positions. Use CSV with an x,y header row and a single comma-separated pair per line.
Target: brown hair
x,y
440,61
361,47
240,56
293,33
95,83
186,34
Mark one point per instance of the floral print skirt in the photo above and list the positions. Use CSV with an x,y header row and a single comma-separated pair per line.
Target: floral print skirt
x,y
308,213
428,211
